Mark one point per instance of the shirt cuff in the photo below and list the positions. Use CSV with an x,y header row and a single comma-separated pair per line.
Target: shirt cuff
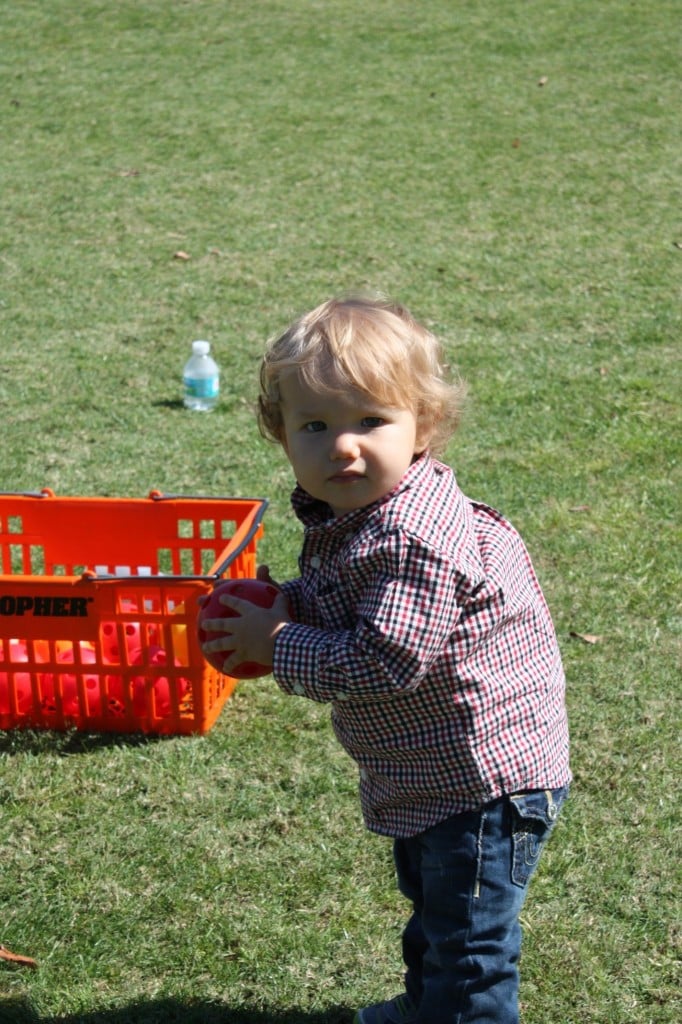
x,y
300,652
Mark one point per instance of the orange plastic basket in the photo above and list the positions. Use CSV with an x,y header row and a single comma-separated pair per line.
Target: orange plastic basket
x,y
98,607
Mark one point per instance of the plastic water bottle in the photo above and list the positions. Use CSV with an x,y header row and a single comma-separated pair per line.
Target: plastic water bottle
x,y
201,378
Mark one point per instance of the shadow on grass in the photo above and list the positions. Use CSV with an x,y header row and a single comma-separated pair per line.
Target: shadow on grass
x,y
169,403
38,741
221,409
170,1011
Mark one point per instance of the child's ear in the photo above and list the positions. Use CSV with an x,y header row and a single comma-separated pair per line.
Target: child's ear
x,y
425,430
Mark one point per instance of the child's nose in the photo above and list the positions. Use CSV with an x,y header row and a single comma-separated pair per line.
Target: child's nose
x,y
345,446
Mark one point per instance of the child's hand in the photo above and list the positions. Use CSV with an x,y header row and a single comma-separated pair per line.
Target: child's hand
x,y
250,635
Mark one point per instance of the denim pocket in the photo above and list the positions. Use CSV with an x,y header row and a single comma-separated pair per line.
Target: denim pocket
x,y
533,815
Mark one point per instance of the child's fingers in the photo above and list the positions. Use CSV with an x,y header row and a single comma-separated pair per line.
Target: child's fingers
x,y
221,643
215,625
234,604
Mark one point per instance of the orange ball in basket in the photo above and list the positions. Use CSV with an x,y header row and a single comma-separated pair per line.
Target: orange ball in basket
x,y
257,592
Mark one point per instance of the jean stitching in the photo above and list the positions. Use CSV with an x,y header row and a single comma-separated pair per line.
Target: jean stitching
x,y
479,856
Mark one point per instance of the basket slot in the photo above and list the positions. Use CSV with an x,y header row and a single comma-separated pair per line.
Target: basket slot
x,y
14,550
13,524
185,528
164,561
207,529
22,559
73,569
37,559
193,556
197,560
18,558
28,559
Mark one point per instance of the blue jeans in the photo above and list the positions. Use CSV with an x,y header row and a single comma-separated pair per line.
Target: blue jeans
x,y
467,879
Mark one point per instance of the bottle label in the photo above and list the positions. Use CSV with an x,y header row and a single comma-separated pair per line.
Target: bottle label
x,y
201,387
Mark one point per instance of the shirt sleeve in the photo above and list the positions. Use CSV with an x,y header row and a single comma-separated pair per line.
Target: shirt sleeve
x,y
405,610
292,591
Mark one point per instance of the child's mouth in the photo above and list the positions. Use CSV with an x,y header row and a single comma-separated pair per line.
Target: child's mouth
x,y
346,477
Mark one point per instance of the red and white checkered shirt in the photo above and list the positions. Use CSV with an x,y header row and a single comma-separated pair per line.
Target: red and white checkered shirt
x,y
420,618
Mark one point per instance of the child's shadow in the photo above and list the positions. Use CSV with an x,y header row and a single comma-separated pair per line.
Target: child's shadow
x,y
171,1011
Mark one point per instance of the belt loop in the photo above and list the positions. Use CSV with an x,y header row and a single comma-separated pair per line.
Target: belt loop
x,y
552,809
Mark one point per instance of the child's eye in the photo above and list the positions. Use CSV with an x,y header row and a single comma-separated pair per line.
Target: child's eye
x,y
372,421
314,426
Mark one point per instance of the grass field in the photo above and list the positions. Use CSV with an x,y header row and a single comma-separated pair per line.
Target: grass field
x,y
174,170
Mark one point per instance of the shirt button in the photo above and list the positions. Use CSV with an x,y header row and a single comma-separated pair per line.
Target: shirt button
x,y
315,562
298,689
342,695
363,774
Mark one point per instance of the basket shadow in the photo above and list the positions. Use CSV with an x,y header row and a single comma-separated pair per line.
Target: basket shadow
x,y
74,741
173,1011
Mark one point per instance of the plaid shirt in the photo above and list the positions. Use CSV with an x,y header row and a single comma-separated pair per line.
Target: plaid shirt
x,y
420,619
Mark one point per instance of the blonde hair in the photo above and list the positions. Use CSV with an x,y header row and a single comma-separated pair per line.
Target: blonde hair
x,y
375,346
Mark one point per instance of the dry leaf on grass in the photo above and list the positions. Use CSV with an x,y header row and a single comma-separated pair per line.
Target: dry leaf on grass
x,y
587,638
16,958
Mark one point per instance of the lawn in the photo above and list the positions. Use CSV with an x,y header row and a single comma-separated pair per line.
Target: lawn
x,y
209,169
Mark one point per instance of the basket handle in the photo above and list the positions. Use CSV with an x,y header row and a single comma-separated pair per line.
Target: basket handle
x,y
244,535
46,492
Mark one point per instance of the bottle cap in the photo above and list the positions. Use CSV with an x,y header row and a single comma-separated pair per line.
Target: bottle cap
x,y
201,348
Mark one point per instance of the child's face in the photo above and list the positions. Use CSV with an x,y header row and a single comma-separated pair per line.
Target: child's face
x,y
345,448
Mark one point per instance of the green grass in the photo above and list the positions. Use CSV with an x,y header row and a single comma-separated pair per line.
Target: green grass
x,y
511,172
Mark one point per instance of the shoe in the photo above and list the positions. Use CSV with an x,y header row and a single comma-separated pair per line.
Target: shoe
x,y
395,1011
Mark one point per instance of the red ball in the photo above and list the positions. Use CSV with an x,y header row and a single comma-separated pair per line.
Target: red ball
x,y
16,653
257,592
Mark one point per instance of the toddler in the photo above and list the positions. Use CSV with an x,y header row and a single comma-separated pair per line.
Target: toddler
x,y
418,617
